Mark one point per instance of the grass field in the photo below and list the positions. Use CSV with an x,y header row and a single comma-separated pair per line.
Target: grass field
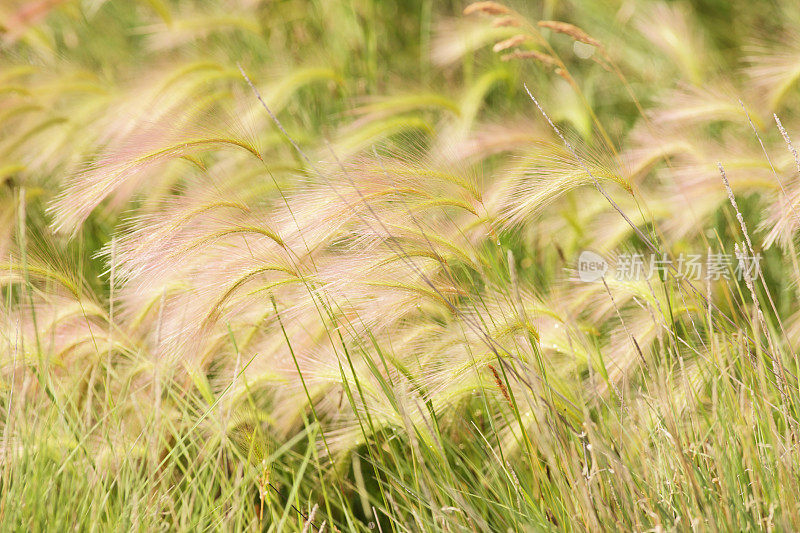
x,y
399,265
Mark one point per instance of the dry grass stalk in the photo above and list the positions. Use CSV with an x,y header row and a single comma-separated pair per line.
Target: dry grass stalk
x,y
310,519
530,54
500,385
507,22
511,42
489,8
569,29
788,141
732,199
564,74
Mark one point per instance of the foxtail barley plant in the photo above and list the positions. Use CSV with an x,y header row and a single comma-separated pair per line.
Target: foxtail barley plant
x,y
315,266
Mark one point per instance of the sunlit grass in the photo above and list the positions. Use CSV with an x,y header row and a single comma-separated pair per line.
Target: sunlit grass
x,y
304,266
